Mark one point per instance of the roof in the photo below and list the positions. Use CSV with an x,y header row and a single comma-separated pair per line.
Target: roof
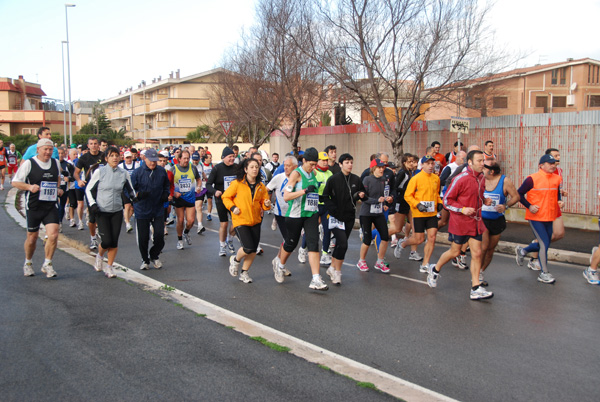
x,y
7,86
34,91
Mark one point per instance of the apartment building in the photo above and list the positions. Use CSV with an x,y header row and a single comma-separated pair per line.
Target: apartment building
x,y
23,110
165,110
569,86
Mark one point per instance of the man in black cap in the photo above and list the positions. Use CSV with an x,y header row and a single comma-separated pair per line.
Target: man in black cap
x,y
219,180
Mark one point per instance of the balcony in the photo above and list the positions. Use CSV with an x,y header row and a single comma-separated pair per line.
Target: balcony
x,y
172,104
120,114
29,116
169,132
141,110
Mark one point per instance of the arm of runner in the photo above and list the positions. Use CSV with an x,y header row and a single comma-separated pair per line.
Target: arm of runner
x,y
288,194
511,192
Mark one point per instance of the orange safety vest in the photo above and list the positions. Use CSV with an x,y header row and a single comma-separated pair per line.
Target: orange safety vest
x,y
544,194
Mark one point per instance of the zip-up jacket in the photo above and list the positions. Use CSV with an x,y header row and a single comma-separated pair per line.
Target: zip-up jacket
x,y
239,194
341,195
220,175
374,189
152,187
466,190
543,190
105,188
423,187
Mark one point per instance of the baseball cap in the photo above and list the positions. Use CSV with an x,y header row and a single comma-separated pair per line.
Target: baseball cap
x,y
127,154
427,158
144,152
195,156
376,162
164,153
151,155
45,142
546,158
323,156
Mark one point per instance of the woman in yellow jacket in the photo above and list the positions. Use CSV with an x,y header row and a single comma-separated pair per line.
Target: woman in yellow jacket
x,y
246,198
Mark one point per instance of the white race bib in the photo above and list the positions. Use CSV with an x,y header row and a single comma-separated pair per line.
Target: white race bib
x,y
12,160
185,185
377,208
312,202
48,191
334,223
430,205
386,190
495,202
227,180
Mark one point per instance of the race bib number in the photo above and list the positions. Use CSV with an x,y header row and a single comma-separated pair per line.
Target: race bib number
x,y
1,158
63,180
227,180
430,205
377,208
185,185
495,202
48,191
12,160
312,202
334,223
386,190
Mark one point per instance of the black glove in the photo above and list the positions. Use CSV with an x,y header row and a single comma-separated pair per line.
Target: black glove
x,y
311,189
133,199
422,207
142,195
439,207
94,209
164,197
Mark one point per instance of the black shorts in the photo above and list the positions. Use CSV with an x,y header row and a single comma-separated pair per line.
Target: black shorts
x,y
421,224
249,237
2,167
294,229
223,212
402,207
72,198
80,194
181,203
125,199
495,226
38,216
91,216
462,239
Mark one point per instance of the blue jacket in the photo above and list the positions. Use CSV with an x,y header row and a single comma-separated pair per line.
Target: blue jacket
x,y
152,187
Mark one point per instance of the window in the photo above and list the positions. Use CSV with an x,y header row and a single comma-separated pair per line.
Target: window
x,y
32,131
559,101
593,100
559,76
474,103
541,101
500,102
593,74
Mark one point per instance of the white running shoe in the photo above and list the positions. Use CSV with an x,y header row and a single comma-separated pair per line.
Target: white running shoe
x,y
80,225
144,266
274,224
424,268
432,276
589,275
244,277
72,223
481,293
93,244
318,284
128,227
302,255
28,269
222,251
201,229
534,264
546,277
187,238
157,264
415,256
99,263
398,250
325,259
108,271
233,266
230,246
277,271
519,256
179,244
334,275
259,250
48,270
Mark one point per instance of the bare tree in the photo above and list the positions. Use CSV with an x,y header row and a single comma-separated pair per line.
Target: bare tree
x,y
273,85
397,58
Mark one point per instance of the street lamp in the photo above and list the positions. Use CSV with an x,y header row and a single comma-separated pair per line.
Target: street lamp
x,y
62,48
69,73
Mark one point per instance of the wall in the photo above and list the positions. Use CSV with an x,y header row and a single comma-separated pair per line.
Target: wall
x,y
520,140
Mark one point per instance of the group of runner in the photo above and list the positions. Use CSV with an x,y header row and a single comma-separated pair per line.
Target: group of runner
x,y
314,202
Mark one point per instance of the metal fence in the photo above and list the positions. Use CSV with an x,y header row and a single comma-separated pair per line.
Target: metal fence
x,y
519,140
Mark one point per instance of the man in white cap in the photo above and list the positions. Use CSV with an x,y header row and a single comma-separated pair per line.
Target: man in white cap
x,y
40,178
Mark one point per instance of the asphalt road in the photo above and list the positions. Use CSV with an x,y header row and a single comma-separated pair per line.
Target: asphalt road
x,y
532,341
83,337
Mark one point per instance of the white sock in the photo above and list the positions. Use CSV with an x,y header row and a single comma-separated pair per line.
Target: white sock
x,y
28,261
93,237
223,243
316,276
47,261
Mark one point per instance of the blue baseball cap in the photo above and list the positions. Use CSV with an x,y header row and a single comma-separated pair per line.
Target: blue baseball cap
x,y
547,158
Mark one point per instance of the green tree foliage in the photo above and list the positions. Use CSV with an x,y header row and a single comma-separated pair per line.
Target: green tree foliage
x,y
201,134
325,119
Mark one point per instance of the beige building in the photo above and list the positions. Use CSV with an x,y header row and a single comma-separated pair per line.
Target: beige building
x,y
569,86
170,108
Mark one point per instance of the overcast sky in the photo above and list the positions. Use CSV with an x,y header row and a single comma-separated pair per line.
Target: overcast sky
x,y
116,44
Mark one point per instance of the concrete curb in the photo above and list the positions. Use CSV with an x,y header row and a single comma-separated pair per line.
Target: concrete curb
x,y
384,382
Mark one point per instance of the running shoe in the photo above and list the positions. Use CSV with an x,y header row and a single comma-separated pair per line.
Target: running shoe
x,y
382,266
157,263
108,271
244,277
335,276
259,250
325,259
398,250
458,263
302,255
318,284
362,266
60,228
482,282
546,277
360,234
222,251
80,225
277,271
415,256
1,186
99,263
519,256
589,275
394,242
187,238
48,270
330,271
481,293
274,224
94,244
209,217
72,223
144,266
128,227
463,260
201,229
233,266
28,269
179,244
534,264
432,276
424,268
230,246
